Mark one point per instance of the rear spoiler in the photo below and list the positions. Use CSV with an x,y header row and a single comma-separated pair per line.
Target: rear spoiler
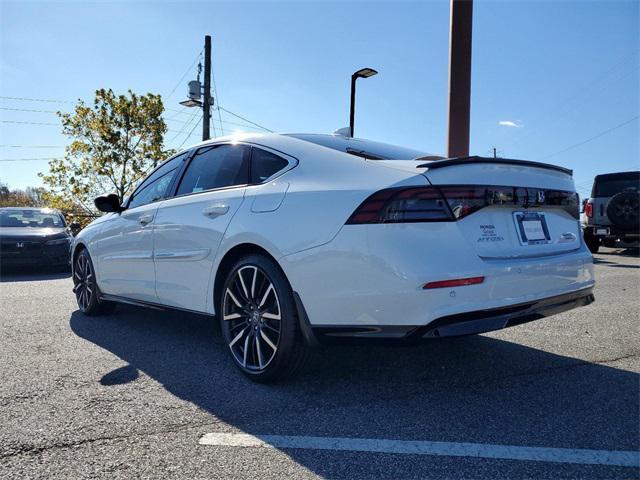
x,y
448,162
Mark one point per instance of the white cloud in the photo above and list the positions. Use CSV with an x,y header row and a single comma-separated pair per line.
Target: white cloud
x,y
509,123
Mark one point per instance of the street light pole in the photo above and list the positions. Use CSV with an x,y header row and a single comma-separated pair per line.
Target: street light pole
x,y
362,73
206,103
460,77
352,108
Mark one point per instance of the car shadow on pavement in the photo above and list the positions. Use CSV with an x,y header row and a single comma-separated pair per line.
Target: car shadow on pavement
x,y
472,389
613,261
31,275
621,252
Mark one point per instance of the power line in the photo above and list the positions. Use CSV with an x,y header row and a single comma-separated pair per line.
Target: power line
x,y
215,93
35,159
184,75
245,119
31,123
568,104
190,133
27,110
186,125
32,146
24,99
592,138
226,122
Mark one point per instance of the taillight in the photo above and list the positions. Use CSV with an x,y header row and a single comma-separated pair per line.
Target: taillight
x,y
453,202
588,209
402,205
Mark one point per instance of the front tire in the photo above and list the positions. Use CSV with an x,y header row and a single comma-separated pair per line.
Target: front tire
x,y
86,288
259,322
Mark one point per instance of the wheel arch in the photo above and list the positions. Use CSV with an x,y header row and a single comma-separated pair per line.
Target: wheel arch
x,y
77,248
229,258
247,248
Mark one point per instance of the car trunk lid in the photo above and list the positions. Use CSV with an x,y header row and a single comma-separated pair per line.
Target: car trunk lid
x,y
509,208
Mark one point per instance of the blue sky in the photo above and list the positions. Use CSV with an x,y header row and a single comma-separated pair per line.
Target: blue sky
x,y
547,76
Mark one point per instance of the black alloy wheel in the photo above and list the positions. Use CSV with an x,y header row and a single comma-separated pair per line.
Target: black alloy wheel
x,y
85,287
259,322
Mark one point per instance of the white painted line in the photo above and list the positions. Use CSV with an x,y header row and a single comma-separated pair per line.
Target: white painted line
x,y
452,449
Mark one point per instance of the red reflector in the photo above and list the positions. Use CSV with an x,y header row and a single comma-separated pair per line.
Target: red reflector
x,y
459,282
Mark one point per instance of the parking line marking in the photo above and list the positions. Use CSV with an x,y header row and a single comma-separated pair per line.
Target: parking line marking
x,y
620,458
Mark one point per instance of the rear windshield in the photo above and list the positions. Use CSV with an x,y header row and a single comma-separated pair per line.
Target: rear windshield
x,y
30,218
362,148
608,187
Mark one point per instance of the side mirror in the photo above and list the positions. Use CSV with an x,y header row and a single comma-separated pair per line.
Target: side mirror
x,y
74,228
584,202
108,203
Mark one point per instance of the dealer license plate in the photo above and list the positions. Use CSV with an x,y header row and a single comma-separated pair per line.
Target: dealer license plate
x,y
532,228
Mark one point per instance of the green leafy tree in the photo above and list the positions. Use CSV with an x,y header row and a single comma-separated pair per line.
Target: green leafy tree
x,y
114,143
29,197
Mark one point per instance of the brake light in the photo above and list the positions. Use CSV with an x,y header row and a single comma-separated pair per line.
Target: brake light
x,y
458,282
588,209
402,205
454,202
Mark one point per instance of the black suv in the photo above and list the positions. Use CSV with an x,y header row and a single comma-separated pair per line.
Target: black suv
x,y
612,215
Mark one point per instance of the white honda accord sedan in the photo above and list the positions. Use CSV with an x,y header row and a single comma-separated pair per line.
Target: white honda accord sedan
x,y
293,240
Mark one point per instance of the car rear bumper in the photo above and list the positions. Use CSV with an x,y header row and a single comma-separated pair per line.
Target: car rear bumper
x,y
610,231
468,323
376,280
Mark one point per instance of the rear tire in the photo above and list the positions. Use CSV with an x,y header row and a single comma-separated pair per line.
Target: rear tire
x,y
259,321
592,242
86,289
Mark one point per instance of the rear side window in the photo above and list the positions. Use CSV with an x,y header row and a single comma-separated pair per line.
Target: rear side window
x,y
217,166
155,186
265,164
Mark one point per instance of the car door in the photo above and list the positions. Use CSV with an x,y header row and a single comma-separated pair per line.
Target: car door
x,y
190,226
124,245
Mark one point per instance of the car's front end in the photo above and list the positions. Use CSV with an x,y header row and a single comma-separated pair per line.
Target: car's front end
x,y
480,246
36,238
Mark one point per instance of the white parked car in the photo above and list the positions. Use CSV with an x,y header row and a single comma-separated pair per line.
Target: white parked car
x,y
291,240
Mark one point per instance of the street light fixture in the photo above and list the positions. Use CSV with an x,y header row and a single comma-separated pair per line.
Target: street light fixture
x,y
362,73
191,103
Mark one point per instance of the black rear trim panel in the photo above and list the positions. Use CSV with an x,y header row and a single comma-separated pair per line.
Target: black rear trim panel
x,y
468,323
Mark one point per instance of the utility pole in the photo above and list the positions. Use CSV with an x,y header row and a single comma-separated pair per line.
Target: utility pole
x,y
460,77
206,103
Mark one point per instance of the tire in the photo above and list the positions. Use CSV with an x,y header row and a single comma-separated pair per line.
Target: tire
x,y
86,289
592,242
624,210
258,320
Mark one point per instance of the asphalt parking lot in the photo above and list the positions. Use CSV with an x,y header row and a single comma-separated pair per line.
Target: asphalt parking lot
x,y
130,395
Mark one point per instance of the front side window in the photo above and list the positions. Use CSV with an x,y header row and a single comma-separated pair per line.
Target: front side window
x,y
216,166
155,186
265,164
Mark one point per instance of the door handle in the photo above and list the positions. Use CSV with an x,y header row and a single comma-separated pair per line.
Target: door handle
x,y
216,210
145,219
